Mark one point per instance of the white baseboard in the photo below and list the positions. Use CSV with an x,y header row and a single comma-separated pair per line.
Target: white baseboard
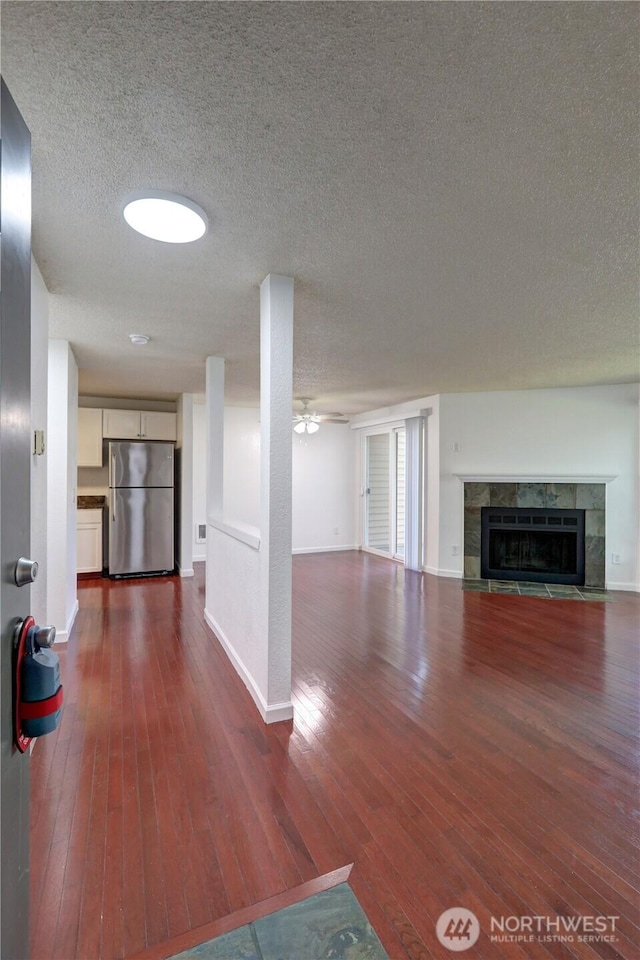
x,y
62,636
199,558
630,587
185,573
323,549
440,572
270,713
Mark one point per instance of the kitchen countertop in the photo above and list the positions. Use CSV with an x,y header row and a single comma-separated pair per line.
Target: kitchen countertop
x,y
90,503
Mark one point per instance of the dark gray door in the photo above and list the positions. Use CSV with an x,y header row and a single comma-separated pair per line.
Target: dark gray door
x,y
15,467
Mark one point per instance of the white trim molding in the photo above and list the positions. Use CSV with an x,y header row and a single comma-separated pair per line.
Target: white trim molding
x,y
186,573
62,636
531,478
248,535
628,587
441,572
270,713
324,549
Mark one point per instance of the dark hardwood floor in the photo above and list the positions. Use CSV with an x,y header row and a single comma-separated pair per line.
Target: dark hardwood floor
x,y
461,749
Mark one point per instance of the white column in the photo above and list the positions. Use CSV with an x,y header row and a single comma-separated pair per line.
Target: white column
x,y
215,436
276,398
414,493
185,478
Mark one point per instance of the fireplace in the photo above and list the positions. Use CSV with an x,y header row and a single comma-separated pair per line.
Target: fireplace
x,y
586,502
538,545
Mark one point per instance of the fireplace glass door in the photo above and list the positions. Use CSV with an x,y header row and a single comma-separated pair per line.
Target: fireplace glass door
x,y
544,546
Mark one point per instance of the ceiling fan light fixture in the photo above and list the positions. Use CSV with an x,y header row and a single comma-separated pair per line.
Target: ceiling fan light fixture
x,y
139,339
306,426
164,216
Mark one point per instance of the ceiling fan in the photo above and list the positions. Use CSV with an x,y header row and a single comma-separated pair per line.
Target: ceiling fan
x,y
308,421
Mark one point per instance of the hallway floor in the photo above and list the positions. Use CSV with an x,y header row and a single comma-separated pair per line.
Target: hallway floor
x,y
461,748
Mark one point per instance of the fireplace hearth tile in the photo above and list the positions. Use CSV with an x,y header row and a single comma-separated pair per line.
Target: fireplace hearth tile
x,y
544,591
478,586
561,496
472,531
594,523
476,495
503,495
602,597
531,495
594,561
590,496
472,568
533,590
562,590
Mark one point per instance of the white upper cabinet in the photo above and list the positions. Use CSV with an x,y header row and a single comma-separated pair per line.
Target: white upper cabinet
x,y
121,424
138,425
89,437
158,426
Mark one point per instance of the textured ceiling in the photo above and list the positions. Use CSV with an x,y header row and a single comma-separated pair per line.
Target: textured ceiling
x,y
454,187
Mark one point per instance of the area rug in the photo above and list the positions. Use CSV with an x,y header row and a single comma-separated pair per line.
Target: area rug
x,y
327,926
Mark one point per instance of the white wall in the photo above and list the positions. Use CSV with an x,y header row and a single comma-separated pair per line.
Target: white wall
x,y
323,480
39,377
242,465
324,471
572,432
62,428
199,502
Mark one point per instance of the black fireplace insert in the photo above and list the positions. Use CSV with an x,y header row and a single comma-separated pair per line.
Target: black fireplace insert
x,y
542,546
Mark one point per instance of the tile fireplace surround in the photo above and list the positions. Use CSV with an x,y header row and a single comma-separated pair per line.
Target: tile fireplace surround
x,y
589,497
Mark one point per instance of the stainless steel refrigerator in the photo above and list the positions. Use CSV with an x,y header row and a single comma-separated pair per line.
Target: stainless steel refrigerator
x,y
141,504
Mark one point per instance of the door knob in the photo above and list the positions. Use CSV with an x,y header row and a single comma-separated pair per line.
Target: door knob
x,y
26,571
45,636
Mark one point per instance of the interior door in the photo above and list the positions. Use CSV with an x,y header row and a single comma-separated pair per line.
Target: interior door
x,y
15,473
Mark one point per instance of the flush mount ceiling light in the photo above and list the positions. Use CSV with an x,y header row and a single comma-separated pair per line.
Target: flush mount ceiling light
x,y
165,216
139,339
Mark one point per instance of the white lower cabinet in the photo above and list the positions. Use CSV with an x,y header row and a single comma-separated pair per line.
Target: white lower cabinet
x,y
89,541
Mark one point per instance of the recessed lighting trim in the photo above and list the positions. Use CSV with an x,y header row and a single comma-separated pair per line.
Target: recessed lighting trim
x,y
164,216
139,339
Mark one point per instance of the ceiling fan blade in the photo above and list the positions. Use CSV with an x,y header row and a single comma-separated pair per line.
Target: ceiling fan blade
x,y
331,420
323,416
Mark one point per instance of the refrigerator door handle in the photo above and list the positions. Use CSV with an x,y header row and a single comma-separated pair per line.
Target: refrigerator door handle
x,y
113,507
